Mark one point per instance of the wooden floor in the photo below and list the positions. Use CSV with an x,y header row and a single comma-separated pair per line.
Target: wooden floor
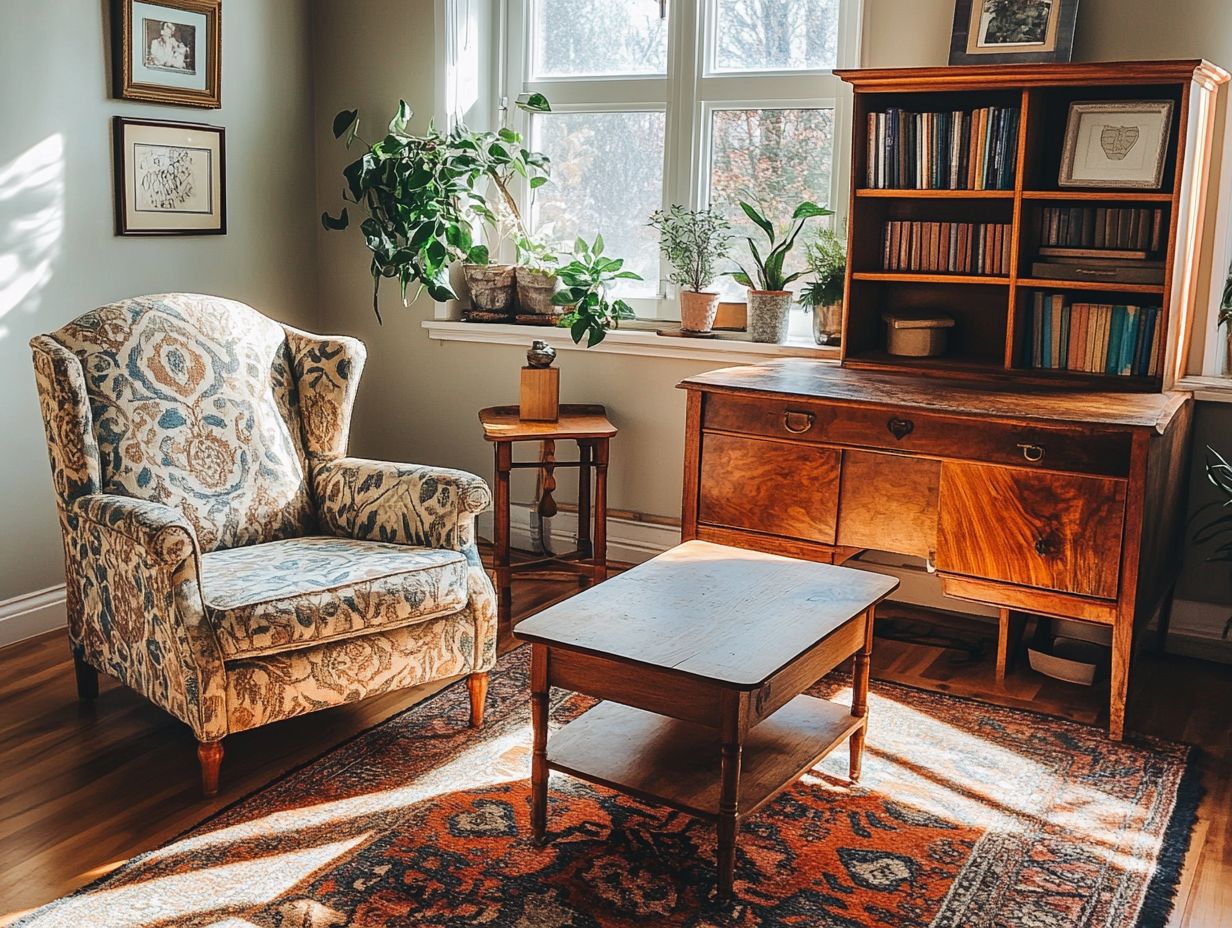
x,y
84,788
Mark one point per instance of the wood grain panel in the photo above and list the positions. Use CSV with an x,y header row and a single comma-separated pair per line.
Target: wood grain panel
x,y
1053,531
889,502
778,488
651,689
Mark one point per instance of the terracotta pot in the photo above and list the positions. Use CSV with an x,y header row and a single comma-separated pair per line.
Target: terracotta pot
x,y
828,323
491,286
535,291
769,312
698,309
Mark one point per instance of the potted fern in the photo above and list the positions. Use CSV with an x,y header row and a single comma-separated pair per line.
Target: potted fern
x,y
769,298
826,258
694,242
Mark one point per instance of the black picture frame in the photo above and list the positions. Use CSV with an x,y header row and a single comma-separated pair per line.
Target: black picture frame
x,y
1057,34
124,224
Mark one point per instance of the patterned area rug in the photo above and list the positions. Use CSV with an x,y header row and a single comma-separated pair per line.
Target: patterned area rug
x,y
968,815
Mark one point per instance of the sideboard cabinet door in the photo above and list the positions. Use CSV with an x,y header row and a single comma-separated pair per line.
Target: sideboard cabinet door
x,y
1054,531
770,487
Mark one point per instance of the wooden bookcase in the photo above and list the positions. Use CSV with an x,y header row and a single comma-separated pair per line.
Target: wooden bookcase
x,y
992,335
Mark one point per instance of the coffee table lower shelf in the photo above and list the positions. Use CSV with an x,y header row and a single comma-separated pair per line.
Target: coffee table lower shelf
x,y
674,763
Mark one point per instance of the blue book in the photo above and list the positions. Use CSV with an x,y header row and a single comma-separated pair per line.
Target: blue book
x,y
1046,346
1063,361
1148,338
1129,342
1116,333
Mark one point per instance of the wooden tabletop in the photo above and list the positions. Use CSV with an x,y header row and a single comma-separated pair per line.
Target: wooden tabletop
x,y
724,614
501,423
1023,402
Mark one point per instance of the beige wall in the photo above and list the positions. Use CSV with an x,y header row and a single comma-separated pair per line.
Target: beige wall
x,y
58,254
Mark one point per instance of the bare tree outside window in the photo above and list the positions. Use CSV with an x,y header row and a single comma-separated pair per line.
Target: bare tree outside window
x,y
776,35
576,38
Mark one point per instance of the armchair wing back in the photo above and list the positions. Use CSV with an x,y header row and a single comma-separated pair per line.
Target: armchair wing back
x,y
183,428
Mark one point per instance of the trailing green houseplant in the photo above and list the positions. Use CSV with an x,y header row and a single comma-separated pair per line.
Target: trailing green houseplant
x,y
825,256
1218,530
1225,320
769,299
587,281
694,242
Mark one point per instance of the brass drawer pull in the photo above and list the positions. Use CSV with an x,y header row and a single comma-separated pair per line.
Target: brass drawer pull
x,y
900,428
790,417
1033,453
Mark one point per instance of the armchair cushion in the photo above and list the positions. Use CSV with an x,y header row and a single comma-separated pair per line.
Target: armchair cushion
x,y
265,599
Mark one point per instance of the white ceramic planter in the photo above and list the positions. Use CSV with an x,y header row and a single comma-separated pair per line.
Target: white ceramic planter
x,y
769,313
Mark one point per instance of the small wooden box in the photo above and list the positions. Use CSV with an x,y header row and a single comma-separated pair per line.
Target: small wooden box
x,y
731,317
540,394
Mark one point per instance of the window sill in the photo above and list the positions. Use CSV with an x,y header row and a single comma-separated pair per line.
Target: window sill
x,y
637,340
1208,389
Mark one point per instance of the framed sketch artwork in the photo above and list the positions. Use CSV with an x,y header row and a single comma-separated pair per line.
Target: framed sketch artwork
x,y
170,178
1013,31
1116,144
168,51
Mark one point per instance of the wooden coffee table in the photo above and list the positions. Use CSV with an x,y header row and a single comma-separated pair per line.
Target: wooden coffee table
x,y
703,655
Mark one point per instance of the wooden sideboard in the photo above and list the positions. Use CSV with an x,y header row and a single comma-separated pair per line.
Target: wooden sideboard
x,y
1024,497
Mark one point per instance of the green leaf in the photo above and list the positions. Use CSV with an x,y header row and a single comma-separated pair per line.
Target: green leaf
x,y
761,222
808,210
578,329
580,247
478,255
397,125
597,334
598,249
628,275
343,121
534,103
508,135
537,182
336,225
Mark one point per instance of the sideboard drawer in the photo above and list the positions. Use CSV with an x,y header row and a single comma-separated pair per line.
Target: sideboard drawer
x,y
1054,531
922,433
772,487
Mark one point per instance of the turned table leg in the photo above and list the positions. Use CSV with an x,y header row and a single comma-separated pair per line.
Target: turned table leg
x,y
500,542
539,752
859,697
584,546
600,547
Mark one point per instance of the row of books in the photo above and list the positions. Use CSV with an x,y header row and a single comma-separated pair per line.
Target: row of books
x,y
1128,228
946,247
974,150
1095,338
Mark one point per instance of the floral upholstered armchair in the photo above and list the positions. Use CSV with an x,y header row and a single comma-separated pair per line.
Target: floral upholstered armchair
x,y
223,555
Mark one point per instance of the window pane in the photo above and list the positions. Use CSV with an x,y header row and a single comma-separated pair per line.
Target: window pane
x,y
776,35
592,38
775,158
607,177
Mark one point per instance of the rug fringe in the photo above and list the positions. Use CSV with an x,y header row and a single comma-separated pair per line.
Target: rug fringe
x,y
1161,892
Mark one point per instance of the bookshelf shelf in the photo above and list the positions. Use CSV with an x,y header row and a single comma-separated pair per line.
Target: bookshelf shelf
x,y
1106,286
901,194
898,277
1022,151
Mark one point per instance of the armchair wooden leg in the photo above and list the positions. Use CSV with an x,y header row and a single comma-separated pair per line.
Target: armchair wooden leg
x,y
209,753
477,683
87,679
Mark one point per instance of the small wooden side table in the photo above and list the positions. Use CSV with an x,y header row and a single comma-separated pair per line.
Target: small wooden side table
x,y
590,428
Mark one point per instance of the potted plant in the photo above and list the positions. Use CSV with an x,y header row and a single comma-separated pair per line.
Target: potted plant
x,y
1219,528
417,191
536,275
1225,320
769,299
694,242
826,258
585,294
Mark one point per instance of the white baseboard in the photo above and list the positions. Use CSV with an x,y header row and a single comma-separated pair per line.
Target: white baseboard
x,y
31,614
1196,630
628,541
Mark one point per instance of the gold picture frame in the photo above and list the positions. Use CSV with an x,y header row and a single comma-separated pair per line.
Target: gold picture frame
x,y
168,51
1117,144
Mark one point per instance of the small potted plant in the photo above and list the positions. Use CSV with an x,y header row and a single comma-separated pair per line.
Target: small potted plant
x,y
536,272
694,242
586,281
769,298
826,258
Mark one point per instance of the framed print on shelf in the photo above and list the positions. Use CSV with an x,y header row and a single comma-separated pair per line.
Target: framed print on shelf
x,y
170,178
168,51
1013,31
1116,144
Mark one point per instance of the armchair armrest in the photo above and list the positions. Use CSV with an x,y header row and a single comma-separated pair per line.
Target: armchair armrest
x,y
134,566
408,504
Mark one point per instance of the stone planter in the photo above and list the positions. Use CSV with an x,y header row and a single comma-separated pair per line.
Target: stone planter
x,y
491,286
535,291
697,310
769,312
828,323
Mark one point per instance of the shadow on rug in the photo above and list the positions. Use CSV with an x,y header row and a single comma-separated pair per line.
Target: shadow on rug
x,y
968,816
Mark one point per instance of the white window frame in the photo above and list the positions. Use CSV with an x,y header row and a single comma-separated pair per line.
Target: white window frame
x,y
690,93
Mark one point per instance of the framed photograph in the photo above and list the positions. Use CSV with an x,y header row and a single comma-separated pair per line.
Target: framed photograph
x,y
1120,144
170,178
168,51
1013,31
